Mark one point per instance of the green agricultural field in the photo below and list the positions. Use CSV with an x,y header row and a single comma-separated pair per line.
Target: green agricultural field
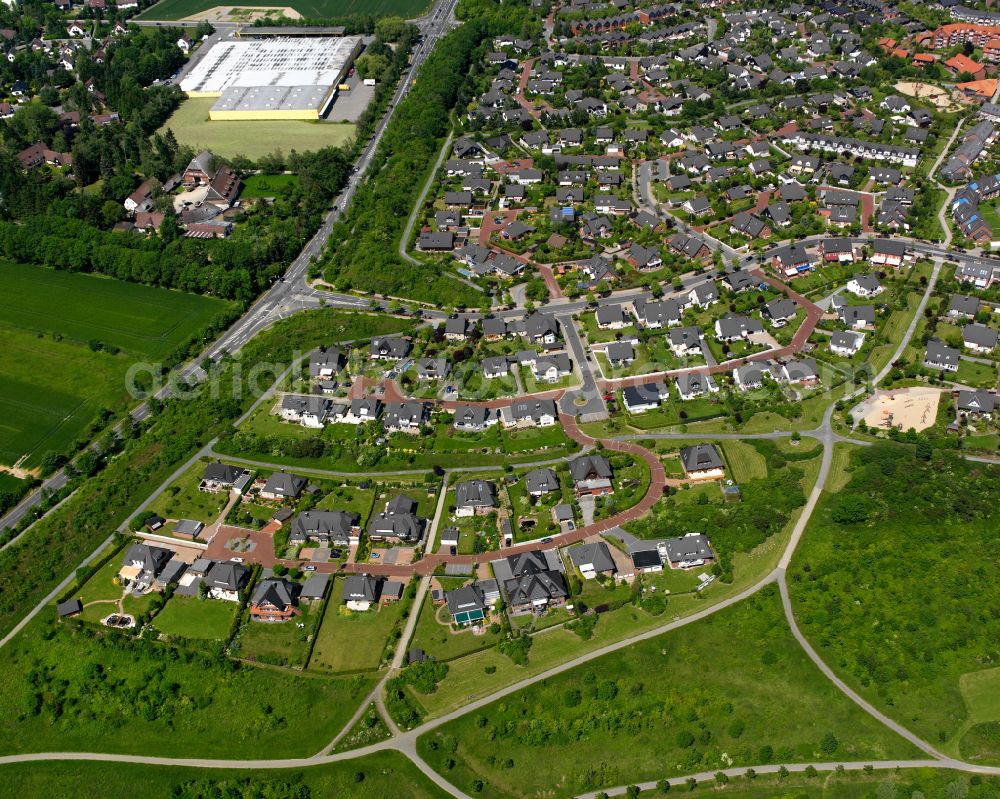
x,y
253,138
316,9
657,707
52,384
66,689
195,618
144,321
349,641
383,774
877,588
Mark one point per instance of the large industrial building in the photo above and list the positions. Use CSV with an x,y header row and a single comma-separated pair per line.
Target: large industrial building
x,y
281,77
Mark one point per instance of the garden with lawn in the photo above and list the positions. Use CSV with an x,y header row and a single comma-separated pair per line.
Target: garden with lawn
x,y
622,717
183,499
353,641
195,618
438,639
283,643
879,590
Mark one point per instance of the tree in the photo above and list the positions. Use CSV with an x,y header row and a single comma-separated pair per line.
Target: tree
x,y
390,29
924,450
372,66
721,778
829,744
851,509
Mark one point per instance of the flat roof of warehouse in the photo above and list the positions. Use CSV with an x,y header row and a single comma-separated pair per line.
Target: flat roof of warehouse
x,y
272,62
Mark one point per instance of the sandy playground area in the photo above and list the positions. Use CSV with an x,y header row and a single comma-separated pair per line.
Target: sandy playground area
x,y
901,408
943,99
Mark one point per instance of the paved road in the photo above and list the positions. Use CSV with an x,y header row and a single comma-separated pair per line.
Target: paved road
x,y
591,401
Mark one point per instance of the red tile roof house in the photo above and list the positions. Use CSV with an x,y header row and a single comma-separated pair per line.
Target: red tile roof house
x,y
274,600
962,63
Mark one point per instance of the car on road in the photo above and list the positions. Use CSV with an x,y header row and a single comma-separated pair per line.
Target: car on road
x,y
309,568
236,560
547,540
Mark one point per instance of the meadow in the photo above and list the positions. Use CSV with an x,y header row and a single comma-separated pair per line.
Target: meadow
x,y
656,709
315,9
252,138
70,688
52,382
382,774
894,584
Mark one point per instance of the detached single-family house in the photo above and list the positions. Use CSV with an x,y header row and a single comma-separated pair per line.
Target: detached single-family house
x,y
979,338
940,356
467,605
222,477
475,497
274,600
592,559
225,579
702,462
591,475
691,385
282,485
332,527
686,551
864,285
540,482
644,397
846,342
361,591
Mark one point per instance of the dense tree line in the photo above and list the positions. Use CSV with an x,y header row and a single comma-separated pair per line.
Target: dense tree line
x,y
364,247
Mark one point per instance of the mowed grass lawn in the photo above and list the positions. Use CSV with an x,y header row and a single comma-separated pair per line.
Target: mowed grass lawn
x,y
744,461
253,138
711,694
439,641
349,641
191,617
267,185
317,9
52,384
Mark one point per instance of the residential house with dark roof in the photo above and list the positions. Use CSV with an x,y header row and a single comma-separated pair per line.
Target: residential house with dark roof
x,y
591,475
274,600
475,497
702,461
